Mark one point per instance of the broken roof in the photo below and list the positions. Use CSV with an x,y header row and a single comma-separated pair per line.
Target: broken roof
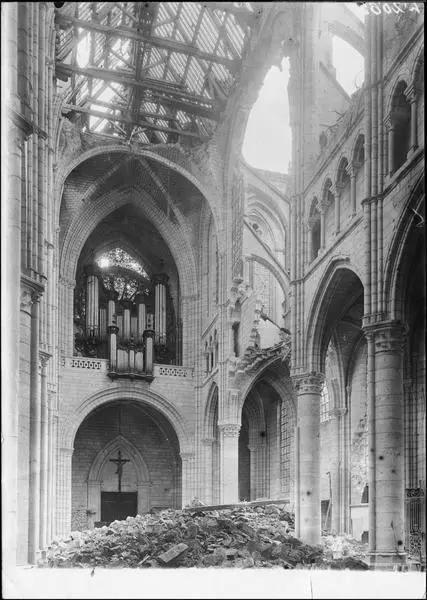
x,y
150,72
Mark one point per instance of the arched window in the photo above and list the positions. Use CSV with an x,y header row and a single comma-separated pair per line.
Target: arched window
x,y
314,231
324,404
400,128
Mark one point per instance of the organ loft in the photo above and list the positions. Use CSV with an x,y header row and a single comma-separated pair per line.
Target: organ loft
x,y
213,263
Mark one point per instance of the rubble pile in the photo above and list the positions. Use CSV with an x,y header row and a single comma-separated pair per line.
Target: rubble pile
x,y
239,537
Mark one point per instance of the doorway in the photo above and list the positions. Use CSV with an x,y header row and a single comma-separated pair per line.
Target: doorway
x,y
116,506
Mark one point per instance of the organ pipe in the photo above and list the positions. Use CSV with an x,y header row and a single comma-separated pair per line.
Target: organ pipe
x,y
160,308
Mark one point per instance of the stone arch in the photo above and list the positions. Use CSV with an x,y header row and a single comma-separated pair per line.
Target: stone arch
x,y
338,269
417,67
281,277
393,277
358,144
96,211
404,76
119,442
94,481
326,186
125,391
108,149
342,164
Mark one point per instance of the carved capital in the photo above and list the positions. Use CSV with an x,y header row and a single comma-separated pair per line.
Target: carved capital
x,y
390,338
309,383
26,300
31,292
337,412
229,429
44,358
208,441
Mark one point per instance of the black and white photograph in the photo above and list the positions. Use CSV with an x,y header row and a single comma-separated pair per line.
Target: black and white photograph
x,y
213,300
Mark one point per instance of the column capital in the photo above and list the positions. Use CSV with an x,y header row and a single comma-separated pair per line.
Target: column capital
x,y
229,429
337,412
388,336
308,383
207,441
31,292
44,358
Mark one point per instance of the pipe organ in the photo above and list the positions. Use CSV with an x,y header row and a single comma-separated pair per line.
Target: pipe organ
x,y
132,332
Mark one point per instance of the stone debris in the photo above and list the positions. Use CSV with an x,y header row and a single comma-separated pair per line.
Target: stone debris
x,y
239,537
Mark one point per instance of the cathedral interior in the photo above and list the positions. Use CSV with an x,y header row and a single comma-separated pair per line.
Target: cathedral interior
x,y
178,324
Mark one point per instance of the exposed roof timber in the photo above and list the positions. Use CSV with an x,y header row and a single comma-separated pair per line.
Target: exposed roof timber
x,y
189,102
167,44
142,113
229,7
143,125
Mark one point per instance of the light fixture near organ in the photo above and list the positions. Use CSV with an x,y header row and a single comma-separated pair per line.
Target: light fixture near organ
x,y
123,315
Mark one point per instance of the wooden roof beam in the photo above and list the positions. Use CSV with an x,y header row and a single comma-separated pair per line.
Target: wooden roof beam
x,y
189,102
128,32
143,125
142,113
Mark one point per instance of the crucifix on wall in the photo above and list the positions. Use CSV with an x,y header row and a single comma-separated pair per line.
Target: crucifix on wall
x,y
119,462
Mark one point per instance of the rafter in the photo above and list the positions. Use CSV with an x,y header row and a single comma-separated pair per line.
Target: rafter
x,y
143,125
190,102
159,42
142,113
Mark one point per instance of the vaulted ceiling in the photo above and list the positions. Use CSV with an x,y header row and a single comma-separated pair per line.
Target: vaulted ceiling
x,y
151,72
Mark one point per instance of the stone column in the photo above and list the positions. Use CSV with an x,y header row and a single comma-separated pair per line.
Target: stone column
x,y
336,470
391,139
310,224
16,131
229,462
308,389
207,448
337,208
44,450
187,460
63,509
35,436
411,95
352,173
50,468
387,454
322,209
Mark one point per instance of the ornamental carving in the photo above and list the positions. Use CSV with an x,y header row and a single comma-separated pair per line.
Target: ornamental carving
x,y
229,429
237,202
311,383
390,338
26,300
